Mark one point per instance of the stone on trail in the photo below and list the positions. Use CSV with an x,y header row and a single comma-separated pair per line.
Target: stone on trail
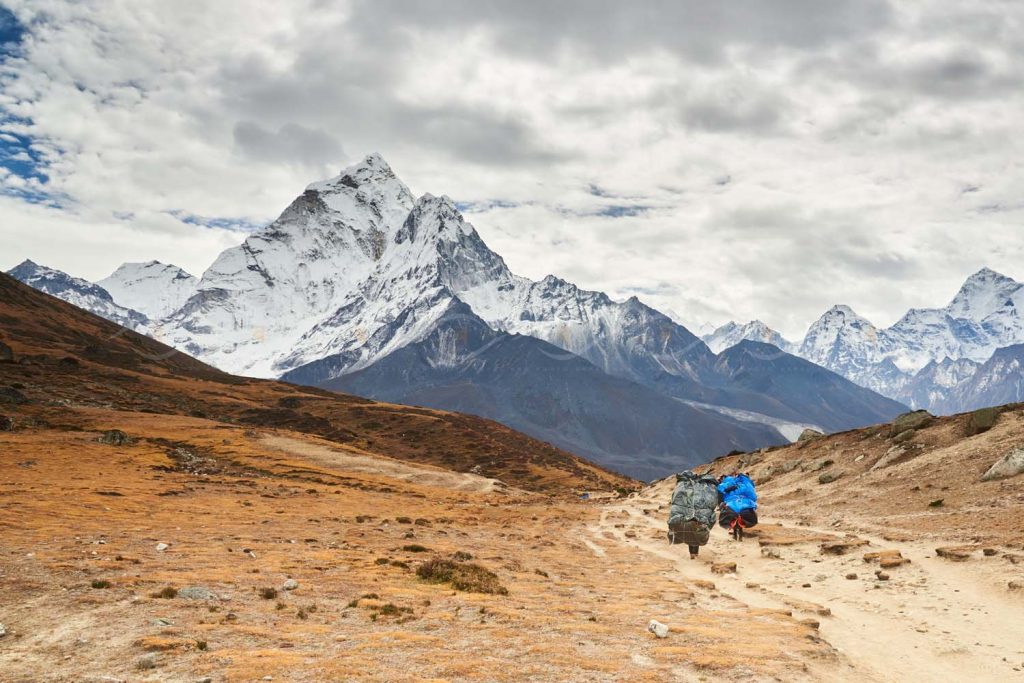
x,y
887,559
882,576
841,547
657,628
290,585
723,568
851,576
160,547
957,554
1010,465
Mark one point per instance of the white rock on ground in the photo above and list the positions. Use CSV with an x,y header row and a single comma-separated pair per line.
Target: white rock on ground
x,y
1008,466
290,585
657,628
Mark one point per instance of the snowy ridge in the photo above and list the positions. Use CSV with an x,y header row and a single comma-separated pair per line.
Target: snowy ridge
x,y
152,288
732,333
78,292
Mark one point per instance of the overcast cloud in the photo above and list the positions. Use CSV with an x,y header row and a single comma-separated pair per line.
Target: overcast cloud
x,y
720,160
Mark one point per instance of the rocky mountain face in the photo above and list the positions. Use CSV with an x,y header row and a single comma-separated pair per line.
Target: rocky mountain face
x,y
154,289
79,292
357,271
542,390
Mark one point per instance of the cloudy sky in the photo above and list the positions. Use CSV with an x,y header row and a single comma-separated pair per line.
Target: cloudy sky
x,y
743,160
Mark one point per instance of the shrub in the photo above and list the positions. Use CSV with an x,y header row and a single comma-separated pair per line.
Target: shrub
x,y
414,548
268,593
382,560
462,556
462,576
100,583
166,593
403,520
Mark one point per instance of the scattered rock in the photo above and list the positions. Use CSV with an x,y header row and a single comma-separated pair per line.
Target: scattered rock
x,y
916,419
957,554
723,568
657,628
812,623
989,552
981,421
851,576
1015,585
6,353
829,477
3,630
891,456
810,435
887,559
160,547
882,576
1010,465
630,534
290,585
115,437
842,547
937,503
197,593
770,552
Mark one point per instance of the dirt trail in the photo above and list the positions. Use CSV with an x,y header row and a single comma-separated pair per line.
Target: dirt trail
x,y
351,461
933,619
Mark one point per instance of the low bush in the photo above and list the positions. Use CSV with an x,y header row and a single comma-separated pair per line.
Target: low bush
x,y
463,576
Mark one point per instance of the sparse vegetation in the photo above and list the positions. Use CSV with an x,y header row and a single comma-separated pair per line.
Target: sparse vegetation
x,y
415,548
463,576
100,583
166,593
268,593
462,556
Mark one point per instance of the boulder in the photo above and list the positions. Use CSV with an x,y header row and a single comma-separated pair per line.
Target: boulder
x,y
810,435
887,559
6,353
916,419
290,585
1010,465
658,629
891,456
981,421
957,554
829,477
196,593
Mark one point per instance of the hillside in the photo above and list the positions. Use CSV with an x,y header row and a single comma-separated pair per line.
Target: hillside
x,y
67,359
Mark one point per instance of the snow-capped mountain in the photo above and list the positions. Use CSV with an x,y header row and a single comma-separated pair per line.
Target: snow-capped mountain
x,y
78,292
935,385
908,360
257,301
357,277
998,381
732,333
154,289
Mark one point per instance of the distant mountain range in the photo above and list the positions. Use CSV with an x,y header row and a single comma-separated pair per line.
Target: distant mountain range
x,y
363,287
945,360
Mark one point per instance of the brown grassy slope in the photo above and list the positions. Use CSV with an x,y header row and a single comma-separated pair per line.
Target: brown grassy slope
x,y
923,484
240,517
66,357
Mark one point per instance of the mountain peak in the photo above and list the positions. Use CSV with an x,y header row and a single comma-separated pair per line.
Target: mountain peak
x,y
983,293
371,171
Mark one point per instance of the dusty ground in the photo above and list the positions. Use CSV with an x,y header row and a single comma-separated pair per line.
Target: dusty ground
x,y
260,507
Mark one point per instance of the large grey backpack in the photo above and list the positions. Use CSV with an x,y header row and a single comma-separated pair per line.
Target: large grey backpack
x,y
695,498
